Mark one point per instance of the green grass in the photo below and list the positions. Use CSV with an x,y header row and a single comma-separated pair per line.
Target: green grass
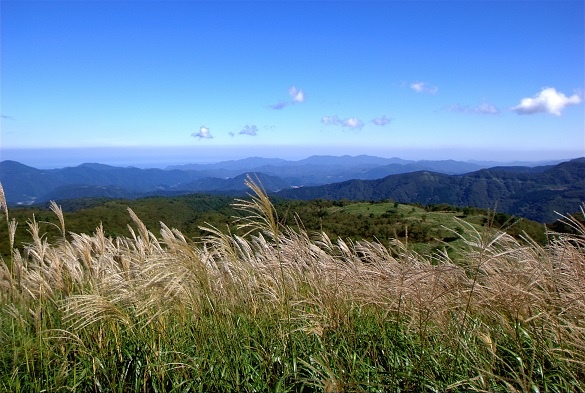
x,y
283,309
381,221
428,231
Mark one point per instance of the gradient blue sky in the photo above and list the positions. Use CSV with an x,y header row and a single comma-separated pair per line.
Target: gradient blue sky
x,y
156,82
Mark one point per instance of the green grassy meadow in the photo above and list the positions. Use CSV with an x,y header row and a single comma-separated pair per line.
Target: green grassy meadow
x,y
270,302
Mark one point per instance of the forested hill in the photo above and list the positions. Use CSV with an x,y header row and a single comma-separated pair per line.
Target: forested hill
x,y
534,193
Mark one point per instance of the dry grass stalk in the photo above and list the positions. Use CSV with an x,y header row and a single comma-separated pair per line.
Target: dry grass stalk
x,y
135,281
3,204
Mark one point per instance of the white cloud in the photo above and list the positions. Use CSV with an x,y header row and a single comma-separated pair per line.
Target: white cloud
x,y
202,134
297,96
381,121
483,109
249,130
486,109
352,122
547,101
330,120
422,87
418,86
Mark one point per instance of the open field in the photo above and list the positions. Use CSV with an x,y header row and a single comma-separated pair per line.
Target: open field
x,y
274,307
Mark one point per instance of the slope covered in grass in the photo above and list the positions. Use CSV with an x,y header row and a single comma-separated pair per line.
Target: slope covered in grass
x,y
277,309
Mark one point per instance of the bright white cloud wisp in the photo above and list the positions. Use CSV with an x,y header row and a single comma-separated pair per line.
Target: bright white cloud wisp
x,y
549,100
352,122
422,87
297,96
202,134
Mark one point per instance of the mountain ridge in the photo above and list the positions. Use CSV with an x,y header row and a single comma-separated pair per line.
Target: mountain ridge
x,y
531,194
25,184
521,190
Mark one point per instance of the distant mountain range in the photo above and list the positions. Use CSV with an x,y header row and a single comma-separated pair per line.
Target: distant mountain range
x,y
530,191
25,185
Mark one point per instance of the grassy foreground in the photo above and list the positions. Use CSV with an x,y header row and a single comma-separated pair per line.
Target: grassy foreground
x,y
280,309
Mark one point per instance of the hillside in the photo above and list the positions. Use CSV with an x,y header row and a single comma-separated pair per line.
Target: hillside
x,y
427,226
154,307
532,193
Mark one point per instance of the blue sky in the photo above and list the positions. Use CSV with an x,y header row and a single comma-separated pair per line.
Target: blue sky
x,y
133,82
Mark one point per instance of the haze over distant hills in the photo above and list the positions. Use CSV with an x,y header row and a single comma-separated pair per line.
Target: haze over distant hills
x,y
24,184
532,191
